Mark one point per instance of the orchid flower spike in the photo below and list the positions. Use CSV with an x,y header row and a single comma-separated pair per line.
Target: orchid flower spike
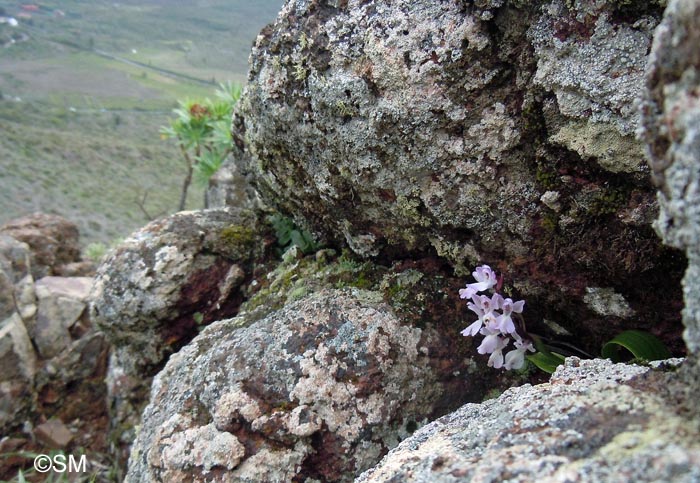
x,y
505,321
485,279
515,359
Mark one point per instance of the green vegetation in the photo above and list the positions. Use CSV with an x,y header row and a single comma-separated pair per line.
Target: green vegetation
x,y
608,201
289,234
202,130
95,252
634,346
298,275
237,240
106,171
84,89
635,343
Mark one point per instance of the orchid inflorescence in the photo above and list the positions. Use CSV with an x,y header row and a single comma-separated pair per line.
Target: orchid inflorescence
x,y
495,321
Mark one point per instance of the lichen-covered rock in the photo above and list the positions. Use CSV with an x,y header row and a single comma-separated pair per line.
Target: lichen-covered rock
x,y
53,241
317,390
594,62
161,285
498,132
594,421
671,118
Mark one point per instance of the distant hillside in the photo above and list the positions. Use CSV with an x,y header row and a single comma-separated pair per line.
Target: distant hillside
x,y
84,87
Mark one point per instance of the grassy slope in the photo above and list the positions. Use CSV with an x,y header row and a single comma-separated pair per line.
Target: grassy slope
x,y
83,141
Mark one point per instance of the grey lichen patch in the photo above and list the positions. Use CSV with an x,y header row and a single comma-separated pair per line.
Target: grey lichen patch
x,y
613,151
605,301
409,208
495,134
593,64
197,450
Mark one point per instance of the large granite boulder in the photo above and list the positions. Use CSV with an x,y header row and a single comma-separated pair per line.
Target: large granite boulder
x,y
490,131
594,421
160,286
318,391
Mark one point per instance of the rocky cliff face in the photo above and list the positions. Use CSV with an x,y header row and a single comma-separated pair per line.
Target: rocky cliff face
x,y
596,421
426,137
491,131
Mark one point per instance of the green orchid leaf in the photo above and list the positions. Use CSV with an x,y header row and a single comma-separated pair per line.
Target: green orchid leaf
x,y
640,344
546,361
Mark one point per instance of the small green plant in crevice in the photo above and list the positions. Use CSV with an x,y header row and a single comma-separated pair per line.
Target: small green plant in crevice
x,y
547,178
237,237
640,345
289,234
607,202
500,321
95,251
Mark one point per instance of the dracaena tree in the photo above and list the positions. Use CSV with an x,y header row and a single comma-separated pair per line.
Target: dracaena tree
x,y
202,130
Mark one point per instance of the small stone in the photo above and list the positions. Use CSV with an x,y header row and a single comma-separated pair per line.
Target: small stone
x,y
55,316
551,200
53,433
72,287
